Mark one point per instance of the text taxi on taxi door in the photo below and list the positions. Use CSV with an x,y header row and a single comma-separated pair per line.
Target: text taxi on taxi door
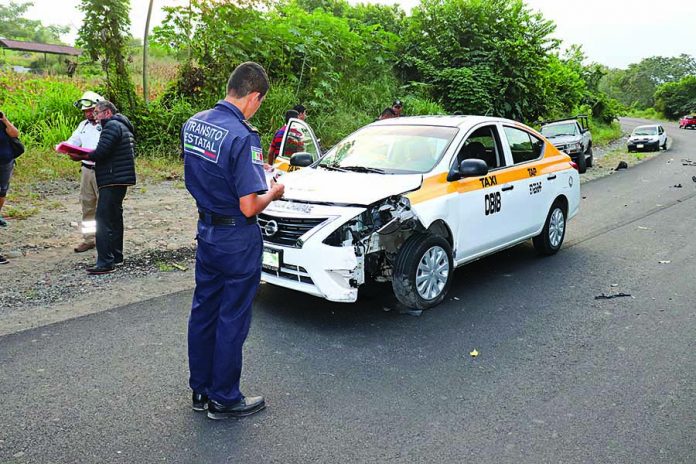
x,y
408,200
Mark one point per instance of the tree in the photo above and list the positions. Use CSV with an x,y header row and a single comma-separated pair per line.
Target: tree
x,y
636,85
482,56
677,98
105,36
14,26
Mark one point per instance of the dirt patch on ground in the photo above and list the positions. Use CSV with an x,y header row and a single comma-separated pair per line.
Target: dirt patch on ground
x,y
607,159
46,281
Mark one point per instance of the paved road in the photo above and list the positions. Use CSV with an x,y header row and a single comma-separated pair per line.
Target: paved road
x,y
561,377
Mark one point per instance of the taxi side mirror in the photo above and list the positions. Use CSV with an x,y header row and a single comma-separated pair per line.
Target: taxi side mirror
x,y
301,160
468,168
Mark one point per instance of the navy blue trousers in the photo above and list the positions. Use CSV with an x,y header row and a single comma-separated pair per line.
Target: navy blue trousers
x,y
228,273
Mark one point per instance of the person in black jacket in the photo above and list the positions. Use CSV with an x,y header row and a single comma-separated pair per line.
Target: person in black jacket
x,y
115,171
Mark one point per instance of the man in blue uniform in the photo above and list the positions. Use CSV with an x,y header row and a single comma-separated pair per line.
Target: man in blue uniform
x,y
223,169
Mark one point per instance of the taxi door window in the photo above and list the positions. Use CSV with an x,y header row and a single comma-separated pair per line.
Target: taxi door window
x,y
483,144
299,138
523,145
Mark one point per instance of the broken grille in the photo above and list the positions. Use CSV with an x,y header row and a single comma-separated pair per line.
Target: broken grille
x,y
284,230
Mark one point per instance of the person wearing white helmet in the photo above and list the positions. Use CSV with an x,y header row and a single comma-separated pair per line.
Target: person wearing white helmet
x,y
87,135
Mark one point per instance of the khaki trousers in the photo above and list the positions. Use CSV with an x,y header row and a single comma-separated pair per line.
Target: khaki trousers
x,y
89,193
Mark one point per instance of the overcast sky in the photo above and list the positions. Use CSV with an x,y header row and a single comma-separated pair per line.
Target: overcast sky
x,y
612,32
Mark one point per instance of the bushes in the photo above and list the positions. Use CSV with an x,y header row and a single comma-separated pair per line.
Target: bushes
x,y
675,99
41,108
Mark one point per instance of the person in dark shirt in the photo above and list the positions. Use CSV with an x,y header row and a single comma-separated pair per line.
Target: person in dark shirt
x,y
114,167
223,171
387,113
7,162
397,107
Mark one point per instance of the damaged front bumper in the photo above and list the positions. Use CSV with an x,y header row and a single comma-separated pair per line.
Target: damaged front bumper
x,y
330,250
295,256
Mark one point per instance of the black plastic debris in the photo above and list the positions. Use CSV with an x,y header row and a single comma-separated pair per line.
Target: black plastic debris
x,y
609,297
678,186
693,178
411,312
622,165
688,162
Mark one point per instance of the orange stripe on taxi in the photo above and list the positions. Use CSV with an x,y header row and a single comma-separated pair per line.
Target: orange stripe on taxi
x,y
437,185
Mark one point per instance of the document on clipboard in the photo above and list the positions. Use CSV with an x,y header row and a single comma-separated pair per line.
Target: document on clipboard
x,y
69,149
272,174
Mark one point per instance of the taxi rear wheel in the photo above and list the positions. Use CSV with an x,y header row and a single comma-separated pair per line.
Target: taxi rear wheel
x,y
423,271
549,241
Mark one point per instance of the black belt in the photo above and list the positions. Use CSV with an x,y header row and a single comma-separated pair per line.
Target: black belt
x,y
88,166
220,220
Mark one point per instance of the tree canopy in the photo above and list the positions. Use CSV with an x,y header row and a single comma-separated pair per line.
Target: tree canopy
x,y
636,85
13,25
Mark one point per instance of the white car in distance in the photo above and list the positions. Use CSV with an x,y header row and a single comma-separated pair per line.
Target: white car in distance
x,y
407,200
648,137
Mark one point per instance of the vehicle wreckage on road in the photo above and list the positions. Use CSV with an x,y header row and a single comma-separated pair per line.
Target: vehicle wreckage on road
x,y
408,200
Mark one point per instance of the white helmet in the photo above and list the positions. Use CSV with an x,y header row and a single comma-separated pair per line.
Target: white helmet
x,y
89,100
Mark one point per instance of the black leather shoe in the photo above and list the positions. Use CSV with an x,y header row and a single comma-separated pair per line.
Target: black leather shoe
x,y
199,401
97,270
244,407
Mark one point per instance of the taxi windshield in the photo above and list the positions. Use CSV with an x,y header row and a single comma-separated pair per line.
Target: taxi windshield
x,y
645,131
396,149
558,130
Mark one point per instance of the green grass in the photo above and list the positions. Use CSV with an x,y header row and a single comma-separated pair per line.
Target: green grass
x,y
650,113
164,267
603,134
19,212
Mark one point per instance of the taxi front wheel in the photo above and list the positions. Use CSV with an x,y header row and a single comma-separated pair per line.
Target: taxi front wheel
x,y
549,241
423,271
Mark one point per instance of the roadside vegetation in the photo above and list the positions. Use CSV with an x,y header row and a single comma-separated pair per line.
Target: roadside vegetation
x,y
658,87
345,63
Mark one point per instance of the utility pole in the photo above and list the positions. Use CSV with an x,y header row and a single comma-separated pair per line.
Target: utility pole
x,y
145,40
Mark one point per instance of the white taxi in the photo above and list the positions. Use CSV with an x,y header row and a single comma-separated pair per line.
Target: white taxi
x,y
408,200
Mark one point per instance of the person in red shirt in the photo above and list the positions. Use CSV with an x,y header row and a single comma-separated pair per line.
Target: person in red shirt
x,y
278,137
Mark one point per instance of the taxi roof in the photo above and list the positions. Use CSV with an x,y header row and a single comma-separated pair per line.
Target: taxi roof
x,y
440,120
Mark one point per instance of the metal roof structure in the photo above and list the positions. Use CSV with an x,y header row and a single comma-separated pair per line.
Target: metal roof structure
x,y
39,47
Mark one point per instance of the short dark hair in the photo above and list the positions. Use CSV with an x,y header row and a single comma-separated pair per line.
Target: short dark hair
x,y
246,78
291,114
106,105
300,108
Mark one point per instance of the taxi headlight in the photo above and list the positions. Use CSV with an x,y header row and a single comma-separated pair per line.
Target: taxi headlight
x,y
384,217
353,230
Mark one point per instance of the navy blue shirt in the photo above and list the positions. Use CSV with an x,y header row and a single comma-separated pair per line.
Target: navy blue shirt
x,y
6,152
223,160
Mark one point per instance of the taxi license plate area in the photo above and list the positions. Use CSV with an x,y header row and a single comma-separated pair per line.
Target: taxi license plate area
x,y
271,259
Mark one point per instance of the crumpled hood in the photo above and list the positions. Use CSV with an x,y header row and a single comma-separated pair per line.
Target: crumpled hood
x,y
351,188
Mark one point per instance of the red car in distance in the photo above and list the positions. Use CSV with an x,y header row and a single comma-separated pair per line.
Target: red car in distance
x,y
687,121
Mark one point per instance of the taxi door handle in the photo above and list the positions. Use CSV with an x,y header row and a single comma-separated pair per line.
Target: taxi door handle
x,y
551,177
509,187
